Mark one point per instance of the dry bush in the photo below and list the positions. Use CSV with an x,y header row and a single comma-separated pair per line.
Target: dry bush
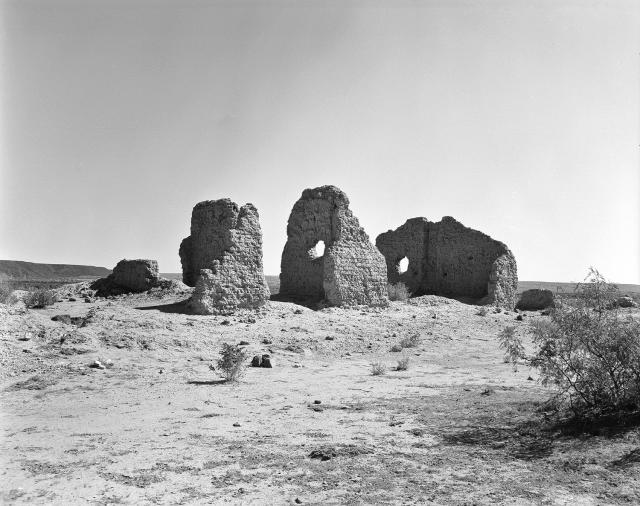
x,y
589,353
378,369
40,299
399,291
403,364
483,311
411,341
232,361
5,291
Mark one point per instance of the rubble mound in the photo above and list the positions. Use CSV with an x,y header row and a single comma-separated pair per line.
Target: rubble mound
x,y
535,299
129,276
446,258
328,256
222,258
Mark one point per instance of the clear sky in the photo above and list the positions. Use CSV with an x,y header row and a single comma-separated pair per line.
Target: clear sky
x,y
518,118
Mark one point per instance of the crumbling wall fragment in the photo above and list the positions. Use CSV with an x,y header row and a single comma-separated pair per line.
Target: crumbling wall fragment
x,y
535,299
222,258
129,276
350,272
446,258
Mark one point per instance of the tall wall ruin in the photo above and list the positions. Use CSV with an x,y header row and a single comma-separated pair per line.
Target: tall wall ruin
x,y
222,258
446,258
350,272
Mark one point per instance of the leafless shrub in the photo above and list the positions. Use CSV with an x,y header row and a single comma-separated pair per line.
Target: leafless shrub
x,y
40,299
399,291
403,364
232,361
411,341
587,351
378,369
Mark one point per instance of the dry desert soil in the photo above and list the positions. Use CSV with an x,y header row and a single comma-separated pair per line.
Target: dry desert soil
x,y
159,426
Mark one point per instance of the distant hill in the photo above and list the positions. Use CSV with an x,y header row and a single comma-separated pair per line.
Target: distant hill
x,y
14,269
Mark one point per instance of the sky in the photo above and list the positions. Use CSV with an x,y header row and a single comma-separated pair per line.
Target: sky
x,y
518,118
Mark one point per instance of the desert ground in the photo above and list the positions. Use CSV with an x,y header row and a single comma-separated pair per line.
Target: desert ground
x,y
158,425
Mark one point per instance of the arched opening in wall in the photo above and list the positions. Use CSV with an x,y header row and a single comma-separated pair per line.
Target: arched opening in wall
x,y
317,251
403,265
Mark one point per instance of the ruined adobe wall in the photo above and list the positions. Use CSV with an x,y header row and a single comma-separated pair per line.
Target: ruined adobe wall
x,y
223,258
351,271
446,258
136,275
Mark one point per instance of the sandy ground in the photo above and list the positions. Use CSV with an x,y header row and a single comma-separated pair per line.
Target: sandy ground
x,y
160,427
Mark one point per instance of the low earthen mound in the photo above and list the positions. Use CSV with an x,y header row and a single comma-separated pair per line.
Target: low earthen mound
x,y
535,299
129,276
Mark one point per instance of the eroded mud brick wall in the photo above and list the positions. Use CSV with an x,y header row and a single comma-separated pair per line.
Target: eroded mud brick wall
x,y
446,258
137,275
351,271
222,258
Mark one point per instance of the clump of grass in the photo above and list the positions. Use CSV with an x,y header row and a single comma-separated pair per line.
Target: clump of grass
x,y
396,348
403,364
232,361
483,311
378,369
399,291
40,299
411,341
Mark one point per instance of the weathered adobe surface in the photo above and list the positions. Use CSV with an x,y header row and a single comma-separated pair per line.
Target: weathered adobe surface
x,y
446,258
129,276
351,271
222,258
534,299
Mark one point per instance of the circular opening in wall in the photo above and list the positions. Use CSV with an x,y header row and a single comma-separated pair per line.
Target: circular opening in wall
x,y
317,251
403,265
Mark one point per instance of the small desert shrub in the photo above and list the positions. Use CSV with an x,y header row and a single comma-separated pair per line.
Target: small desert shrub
x,y
483,311
399,291
5,291
396,348
589,353
232,361
378,369
410,341
40,299
403,364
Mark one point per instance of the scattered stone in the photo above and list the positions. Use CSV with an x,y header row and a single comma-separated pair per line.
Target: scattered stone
x,y
535,299
297,501
329,338
529,378
225,322
62,318
350,271
298,311
88,299
266,341
222,258
317,402
624,301
266,361
519,318
446,258
72,299
243,343
323,454
256,361
96,364
236,424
